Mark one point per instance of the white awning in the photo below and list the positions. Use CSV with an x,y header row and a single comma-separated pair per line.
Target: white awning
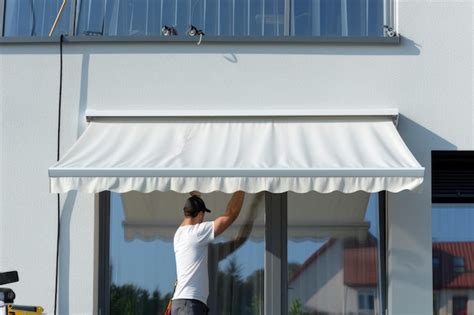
x,y
274,154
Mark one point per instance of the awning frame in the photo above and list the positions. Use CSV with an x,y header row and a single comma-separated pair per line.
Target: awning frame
x,y
92,114
237,172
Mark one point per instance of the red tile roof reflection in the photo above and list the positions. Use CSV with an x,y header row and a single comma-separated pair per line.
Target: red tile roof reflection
x,y
445,276
360,262
360,266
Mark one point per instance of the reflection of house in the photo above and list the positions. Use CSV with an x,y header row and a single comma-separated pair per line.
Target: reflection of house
x,y
453,278
339,278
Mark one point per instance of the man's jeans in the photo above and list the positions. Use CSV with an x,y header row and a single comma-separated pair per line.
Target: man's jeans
x,y
189,307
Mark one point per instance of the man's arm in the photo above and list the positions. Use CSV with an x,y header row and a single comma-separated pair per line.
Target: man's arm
x,y
225,249
232,212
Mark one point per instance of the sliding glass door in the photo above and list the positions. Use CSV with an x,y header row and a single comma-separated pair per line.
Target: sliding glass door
x,y
286,253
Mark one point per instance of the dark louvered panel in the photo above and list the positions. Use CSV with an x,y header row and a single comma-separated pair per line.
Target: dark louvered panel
x,y
452,176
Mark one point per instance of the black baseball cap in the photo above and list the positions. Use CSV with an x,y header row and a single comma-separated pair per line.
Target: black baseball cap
x,y
194,204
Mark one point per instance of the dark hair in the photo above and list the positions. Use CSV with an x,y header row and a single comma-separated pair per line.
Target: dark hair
x,y
193,206
190,214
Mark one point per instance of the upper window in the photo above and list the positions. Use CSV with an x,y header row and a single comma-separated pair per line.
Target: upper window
x,y
436,262
337,18
458,264
213,17
26,18
216,18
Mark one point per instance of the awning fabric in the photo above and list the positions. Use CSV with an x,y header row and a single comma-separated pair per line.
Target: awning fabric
x,y
156,215
322,154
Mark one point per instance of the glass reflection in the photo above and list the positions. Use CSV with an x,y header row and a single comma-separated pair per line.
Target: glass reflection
x,y
142,270
333,254
237,256
337,18
214,17
142,263
24,18
453,259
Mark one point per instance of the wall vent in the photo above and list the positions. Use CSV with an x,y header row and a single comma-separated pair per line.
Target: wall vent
x,y
452,176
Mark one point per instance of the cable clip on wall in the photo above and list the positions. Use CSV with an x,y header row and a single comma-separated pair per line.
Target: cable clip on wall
x,y
194,31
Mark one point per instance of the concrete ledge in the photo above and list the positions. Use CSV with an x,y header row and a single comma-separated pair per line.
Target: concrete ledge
x,y
207,40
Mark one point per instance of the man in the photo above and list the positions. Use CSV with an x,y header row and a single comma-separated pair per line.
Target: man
x,y
191,250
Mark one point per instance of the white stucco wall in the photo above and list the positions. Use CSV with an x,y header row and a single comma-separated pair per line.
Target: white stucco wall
x,y
28,212
428,77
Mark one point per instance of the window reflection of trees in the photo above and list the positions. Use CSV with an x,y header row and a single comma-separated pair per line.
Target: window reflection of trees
x,y
239,295
234,287
129,299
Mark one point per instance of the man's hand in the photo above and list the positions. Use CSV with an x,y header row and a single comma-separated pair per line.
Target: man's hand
x,y
232,212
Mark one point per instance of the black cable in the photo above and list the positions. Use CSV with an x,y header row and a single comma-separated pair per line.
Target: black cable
x,y
61,39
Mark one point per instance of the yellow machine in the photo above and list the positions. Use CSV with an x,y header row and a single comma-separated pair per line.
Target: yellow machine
x,y
24,310
7,296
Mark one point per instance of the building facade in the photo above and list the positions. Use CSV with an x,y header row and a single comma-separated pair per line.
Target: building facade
x,y
111,62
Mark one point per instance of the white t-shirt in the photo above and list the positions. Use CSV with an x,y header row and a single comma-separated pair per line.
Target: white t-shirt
x,y
190,248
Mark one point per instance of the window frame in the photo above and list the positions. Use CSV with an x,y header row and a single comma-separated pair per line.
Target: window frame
x,y
366,296
453,159
104,254
2,16
459,264
276,262
3,39
388,20
436,262
459,298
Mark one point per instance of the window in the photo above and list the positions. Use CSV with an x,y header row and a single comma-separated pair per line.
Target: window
x,y
337,18
366,302
453,236
25,18
452,176
333,253
138,268
216,18
142,269
436,262
460,305
458,264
